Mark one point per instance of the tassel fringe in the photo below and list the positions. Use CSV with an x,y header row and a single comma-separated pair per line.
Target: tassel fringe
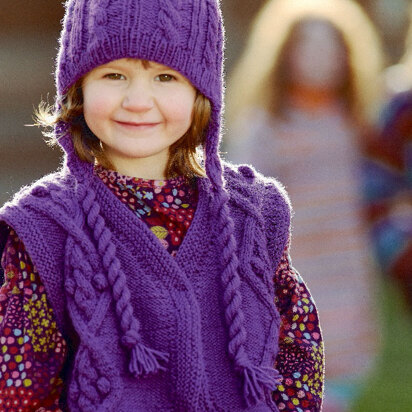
x,y
256,379
144,361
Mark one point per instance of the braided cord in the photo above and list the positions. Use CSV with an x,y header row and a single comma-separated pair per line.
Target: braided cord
x,y
143,360
255,378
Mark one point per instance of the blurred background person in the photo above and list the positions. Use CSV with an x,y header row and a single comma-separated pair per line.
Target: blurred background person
x,y
388,177
301,104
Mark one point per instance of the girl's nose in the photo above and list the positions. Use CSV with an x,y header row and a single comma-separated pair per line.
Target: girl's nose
x,y
138,97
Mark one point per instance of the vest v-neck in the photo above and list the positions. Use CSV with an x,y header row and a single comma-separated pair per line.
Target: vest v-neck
x,y
166,206
134,226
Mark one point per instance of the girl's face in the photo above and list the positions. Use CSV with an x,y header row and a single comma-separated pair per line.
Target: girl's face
x,y
137,111
318,57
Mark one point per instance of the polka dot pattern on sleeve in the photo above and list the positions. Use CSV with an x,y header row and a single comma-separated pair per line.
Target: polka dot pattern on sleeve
x,y
300,359
32,350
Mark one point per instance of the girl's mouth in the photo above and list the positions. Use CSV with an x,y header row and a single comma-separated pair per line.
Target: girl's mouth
x,y
137,126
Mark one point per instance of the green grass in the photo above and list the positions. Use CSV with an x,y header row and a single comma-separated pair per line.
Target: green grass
x,y
390,386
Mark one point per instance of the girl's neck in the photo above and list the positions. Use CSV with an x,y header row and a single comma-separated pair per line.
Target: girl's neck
x,y
147,168
311,99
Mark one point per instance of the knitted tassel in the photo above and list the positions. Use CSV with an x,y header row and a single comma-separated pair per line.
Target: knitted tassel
x,y
256,379
144,360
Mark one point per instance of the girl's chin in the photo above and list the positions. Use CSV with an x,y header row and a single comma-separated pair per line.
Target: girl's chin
x,y
136,157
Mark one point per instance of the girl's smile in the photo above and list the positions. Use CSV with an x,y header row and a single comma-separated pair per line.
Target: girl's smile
x,y
137,126
137,110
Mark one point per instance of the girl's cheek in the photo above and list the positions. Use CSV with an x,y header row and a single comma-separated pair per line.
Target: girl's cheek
x,y
98,100
181,108
96,106
181,115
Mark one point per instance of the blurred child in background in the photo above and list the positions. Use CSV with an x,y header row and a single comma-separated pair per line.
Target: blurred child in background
x,y
388,176
300,107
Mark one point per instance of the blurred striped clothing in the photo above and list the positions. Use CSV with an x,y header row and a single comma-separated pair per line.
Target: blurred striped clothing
x,y
316,157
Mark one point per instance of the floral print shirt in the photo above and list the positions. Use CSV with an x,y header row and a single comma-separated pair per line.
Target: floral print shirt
x,y
33,351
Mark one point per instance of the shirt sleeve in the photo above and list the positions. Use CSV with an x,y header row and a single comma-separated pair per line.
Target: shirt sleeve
x,y
301,357
32,350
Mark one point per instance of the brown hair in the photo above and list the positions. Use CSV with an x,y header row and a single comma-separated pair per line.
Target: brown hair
x,y
183,156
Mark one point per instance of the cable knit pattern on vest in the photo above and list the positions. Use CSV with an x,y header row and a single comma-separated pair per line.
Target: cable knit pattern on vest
x,y
143,360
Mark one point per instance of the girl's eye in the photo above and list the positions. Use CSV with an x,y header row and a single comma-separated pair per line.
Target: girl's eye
x,y
165,77
114,76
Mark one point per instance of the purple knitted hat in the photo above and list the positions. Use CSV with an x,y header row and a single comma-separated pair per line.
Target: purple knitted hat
x,y
186,35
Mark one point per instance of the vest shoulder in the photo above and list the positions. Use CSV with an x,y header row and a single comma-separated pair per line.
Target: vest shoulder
x,y
246,180
265,199
45,202
42,191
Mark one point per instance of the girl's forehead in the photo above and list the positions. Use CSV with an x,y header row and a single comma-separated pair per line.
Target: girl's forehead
x,y
132,62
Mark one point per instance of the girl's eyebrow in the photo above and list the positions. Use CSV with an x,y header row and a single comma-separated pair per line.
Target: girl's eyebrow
x,y
146,64
135,61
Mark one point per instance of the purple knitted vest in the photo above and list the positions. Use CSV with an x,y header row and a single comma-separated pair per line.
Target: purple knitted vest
x,y
97,259
148,332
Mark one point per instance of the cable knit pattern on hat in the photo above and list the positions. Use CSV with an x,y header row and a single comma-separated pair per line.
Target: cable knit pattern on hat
x,y
170,20
151,314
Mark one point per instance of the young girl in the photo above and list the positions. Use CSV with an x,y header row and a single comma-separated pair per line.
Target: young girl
x,y
140,277
303,117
